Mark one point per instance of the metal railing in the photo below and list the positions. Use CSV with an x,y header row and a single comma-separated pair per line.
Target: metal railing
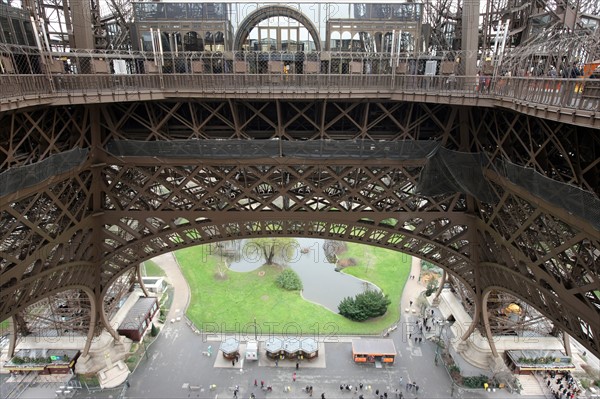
x,y
324,73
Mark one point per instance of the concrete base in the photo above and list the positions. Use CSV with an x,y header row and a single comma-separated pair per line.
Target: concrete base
x,y
102,354
113,376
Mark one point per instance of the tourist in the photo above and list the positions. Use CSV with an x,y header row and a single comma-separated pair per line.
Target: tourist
x,y
294,377
323,395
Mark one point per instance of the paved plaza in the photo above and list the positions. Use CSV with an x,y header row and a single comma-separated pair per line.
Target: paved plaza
x,y
177,366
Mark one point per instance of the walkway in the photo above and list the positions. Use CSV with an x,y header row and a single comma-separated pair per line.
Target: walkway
x,y
181,296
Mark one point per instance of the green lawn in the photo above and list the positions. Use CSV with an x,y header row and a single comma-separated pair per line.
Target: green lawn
x,y
232,303
4,325
149,268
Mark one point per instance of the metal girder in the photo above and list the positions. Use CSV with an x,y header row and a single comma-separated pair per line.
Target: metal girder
x,y
92,225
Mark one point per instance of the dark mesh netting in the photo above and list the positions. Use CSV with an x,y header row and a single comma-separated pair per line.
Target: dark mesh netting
x,y
195,149
228,149
450,171
576,201
21,177
445,171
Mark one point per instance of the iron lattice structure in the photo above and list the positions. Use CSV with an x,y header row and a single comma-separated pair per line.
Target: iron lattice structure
x,y
157,176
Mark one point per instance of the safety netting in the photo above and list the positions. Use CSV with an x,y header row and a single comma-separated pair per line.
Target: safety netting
x,y
576,201
232,149
444,171
21,177
448,171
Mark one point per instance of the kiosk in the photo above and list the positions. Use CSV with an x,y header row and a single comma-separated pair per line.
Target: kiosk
x,y
373,350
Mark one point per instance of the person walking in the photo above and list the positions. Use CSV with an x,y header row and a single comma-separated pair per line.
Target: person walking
x,y
323,395
297,365
294,377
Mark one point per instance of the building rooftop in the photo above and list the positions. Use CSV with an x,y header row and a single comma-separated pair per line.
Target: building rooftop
x,y
137,313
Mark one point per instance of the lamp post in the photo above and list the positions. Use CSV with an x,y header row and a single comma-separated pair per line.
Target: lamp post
x,y
255,333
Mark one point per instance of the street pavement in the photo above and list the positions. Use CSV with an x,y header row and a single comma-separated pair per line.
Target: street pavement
x,y
175,366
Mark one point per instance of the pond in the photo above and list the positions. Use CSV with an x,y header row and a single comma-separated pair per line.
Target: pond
x,y
322,283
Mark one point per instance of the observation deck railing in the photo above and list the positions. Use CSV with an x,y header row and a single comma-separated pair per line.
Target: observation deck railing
x,y
310,74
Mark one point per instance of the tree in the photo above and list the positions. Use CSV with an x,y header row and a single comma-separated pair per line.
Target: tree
x,y
364,305
154,330
272,249
350,310
373,303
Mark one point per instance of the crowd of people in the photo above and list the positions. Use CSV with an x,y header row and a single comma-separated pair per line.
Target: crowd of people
x,y
359,390
562,386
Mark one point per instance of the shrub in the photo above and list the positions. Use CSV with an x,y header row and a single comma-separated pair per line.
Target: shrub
x,y
289,280
475,382
364,306
350,310
454,369
431,287
154,330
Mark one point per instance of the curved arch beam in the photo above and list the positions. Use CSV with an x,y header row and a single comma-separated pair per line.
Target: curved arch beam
x,y
32,290
267,12
105,320
553,304
169,239
138,273
486,322
93,319
475,321
12,342
560,316
441,287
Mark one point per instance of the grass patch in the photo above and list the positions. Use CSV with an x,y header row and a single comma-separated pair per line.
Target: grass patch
x,y
4,326
150,268
234,302
385,268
